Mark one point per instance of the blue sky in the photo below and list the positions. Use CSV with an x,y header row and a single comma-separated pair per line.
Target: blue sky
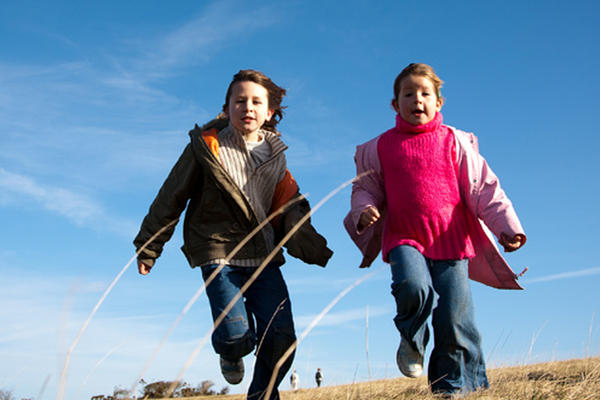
x,y
95,104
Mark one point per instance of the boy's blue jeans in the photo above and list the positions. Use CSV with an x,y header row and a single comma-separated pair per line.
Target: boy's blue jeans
x,y
261,315
456,363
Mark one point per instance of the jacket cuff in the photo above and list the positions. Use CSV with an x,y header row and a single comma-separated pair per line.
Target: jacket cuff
x,y
148,257
147,261
356,218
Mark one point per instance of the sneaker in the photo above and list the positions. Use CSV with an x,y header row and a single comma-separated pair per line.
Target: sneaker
x,y
409,360
233,371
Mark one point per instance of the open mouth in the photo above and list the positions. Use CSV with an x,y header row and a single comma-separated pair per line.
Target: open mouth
x,y
418,112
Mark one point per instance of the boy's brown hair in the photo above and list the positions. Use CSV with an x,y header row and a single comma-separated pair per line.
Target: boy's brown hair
x,y
419,69
275,94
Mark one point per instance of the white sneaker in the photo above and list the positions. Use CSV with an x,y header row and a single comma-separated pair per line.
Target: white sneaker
x,y
233,371
409,360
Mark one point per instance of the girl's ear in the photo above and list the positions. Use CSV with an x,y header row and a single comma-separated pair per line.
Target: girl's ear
x,y
439,104
269,114
395,106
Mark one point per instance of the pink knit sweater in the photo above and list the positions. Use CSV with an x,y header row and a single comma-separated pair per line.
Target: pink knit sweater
x,y
420,174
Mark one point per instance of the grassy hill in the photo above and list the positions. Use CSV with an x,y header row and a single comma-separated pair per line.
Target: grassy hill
x,y
572,379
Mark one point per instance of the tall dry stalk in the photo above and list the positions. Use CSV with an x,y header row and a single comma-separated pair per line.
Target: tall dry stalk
x,y
208,281
367,341
314,322
43,388
589,340
255,275
352,386
94,369
279,308
490,354
258,347
533,340
63,375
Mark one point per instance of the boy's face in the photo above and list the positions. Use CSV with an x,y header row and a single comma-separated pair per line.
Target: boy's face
x,y
248,107
417,100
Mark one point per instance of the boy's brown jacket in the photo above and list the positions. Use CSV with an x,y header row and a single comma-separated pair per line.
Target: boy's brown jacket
x,y
218,215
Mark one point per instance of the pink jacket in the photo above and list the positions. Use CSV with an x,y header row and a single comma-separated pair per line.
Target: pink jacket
x,y
481,191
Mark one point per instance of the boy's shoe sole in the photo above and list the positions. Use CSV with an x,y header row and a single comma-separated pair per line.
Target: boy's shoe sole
x,y
233,371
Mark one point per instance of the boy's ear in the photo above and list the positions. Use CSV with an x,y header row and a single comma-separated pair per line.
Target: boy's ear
x,y
395,105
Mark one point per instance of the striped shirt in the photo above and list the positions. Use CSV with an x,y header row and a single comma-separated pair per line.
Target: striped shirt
x,y
256,172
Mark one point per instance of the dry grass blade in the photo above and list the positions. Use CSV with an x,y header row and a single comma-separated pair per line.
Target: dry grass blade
x,y
279,308
94,369
314,323
533,340
258,347
589,341
208,281
43,388
61,389
255,275
367,341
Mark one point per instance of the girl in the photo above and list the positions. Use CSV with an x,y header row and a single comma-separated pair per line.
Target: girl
x,y
231,177
420,206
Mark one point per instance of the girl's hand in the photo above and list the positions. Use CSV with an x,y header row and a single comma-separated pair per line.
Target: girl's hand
x,y
369,216
143,269
512,244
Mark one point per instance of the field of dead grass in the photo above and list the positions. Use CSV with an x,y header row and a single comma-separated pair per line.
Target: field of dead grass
x,y
573,379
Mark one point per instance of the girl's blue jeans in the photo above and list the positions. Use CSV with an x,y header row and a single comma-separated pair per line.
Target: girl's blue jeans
x,y
456,364
262,317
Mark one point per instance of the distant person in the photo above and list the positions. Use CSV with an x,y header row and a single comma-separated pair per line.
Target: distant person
x,y
231,176
421,206
319,377
294,380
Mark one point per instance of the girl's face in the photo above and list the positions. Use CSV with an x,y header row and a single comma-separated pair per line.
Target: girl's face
x,y
248,107
417,100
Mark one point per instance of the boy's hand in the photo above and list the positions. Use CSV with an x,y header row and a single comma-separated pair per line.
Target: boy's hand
x,y
512,244
369,216
143,269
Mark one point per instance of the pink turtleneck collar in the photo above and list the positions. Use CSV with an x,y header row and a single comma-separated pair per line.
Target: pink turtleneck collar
x,y
431,126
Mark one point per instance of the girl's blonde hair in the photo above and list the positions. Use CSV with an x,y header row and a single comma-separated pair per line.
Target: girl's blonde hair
x,y
419,69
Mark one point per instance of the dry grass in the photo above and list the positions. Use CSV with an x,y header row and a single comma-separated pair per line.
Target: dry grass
x,y
573,379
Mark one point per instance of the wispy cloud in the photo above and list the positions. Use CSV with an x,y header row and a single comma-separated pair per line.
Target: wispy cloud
x,y
76,207
341,317
197,40
56,116
301,285
566,275
312,282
